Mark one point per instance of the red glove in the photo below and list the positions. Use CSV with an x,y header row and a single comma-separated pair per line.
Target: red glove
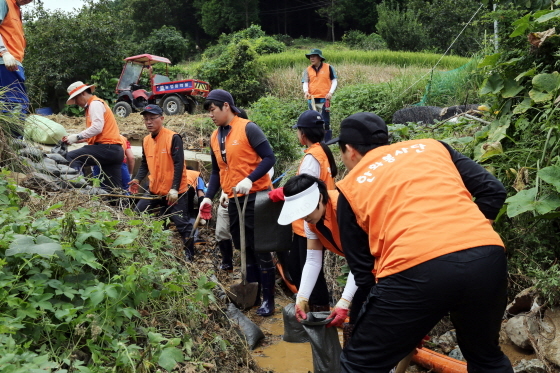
x,y
276,195
339,313
206,211
302,307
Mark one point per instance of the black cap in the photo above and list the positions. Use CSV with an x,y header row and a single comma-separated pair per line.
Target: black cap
x,y
310,119
223,96
152,109
362,129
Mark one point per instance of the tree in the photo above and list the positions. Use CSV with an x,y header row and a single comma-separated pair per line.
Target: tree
x,y
333,12
217,16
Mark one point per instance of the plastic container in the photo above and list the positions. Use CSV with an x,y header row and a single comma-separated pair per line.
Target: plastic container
x,y
44,111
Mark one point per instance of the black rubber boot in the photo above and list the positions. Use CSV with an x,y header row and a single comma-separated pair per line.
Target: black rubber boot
x,y
268,277
253,275
189,251
226,249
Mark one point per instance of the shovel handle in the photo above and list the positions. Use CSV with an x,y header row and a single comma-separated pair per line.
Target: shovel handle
x,y
241,214
313,103
195,225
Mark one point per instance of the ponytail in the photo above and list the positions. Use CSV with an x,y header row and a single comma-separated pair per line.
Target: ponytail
x,y
330,156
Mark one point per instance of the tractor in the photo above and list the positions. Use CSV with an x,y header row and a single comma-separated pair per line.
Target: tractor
x,y
173,97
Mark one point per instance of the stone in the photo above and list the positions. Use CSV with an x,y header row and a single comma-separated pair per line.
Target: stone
x,y
522,301
519,328
457,354
548,341
530,366
447,341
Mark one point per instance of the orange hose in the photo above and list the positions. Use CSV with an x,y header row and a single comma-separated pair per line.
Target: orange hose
x,y
288,283
438,363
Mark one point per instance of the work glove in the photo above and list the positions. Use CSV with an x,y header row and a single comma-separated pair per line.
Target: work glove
x,y
205,211
302,307
339,313
307,96
9,61
202,222
276,195
244,186
172,197
72,139
224,200
133,186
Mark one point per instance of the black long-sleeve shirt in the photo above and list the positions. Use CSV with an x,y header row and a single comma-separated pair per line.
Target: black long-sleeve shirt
x,y
178,156
489,194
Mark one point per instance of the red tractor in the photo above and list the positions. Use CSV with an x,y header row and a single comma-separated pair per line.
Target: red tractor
x,y
173,97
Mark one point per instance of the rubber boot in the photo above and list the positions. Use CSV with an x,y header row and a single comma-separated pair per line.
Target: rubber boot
x,y
253,275
268,278
189,251
226,249
347,330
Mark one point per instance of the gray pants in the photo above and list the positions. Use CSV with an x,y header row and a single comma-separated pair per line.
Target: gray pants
x,y
222,224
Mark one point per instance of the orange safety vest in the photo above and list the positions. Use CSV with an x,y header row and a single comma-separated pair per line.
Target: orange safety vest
x,y
192,177
157,151
110,133
319,81
319,154
411,201
11,30
331,224
242,159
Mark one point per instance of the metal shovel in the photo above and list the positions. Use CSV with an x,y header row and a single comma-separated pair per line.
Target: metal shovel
x,y
195,225
243,294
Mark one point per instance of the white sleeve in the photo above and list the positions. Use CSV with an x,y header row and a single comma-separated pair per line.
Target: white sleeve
x,y
308,232
310,166
311,269
334,83
96,112
305,87
350,288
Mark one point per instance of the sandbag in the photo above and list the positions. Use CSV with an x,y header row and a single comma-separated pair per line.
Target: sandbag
x,y
269,235
60,148
248,329
293,329
43,130
57,158
325,345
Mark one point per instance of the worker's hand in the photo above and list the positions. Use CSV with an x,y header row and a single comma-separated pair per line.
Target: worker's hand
x,y
224,200
307,96
339,313
328,96
9,61
72,139
172,197
202,222
244,186
204,208
302,307
276,195
133,186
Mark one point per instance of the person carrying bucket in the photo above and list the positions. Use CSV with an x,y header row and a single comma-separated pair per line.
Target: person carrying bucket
x,y
241,157
415,234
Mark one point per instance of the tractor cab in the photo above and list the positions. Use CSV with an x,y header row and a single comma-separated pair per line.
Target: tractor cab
x,y
139,86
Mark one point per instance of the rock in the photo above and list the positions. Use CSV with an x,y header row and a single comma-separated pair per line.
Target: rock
x,y
522,301
57,158
518,329
549,339
504,338
448,341
530,366
457,354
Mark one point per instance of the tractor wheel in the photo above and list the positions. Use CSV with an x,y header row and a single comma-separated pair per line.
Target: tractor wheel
x,y
173,105
122,109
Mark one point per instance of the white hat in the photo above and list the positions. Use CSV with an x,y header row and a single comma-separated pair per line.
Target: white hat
x,y
299,205
75,89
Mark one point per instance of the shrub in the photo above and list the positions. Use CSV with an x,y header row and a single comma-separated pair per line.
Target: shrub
x,y
402,30
267,44
167,42
359,40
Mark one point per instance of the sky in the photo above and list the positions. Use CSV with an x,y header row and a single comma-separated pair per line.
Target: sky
x,y
65,5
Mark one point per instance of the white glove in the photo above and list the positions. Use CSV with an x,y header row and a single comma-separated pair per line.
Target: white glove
x,y
205,201
224,200
72,139
202,222
172,197
244,186
9,61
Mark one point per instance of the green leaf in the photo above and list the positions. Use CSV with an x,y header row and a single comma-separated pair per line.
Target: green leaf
x,y
522,24
547,204
551,175
554,14
539,96
511,88
521,202
547,82
125,238
530,72
523,106
45,246
493,84
169,358
490,60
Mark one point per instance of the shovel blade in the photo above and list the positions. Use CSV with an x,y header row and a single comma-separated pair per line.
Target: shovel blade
x,y
244,295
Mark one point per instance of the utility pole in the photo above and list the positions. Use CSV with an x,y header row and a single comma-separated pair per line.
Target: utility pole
x,y
495,30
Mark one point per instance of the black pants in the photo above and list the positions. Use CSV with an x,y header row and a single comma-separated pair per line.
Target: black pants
x,y
264,260
109,156
401,309
298,254
178,213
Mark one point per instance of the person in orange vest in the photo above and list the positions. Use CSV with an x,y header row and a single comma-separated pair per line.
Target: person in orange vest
x,y
126,167
319,83
12,50
164,159
241,158
319,162
196,188
417,218
104,143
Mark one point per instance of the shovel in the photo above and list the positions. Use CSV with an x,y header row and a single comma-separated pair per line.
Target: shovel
x,y
243,294
313,103
191,237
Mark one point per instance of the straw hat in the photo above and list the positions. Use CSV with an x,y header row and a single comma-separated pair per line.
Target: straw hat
x,y
75,89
